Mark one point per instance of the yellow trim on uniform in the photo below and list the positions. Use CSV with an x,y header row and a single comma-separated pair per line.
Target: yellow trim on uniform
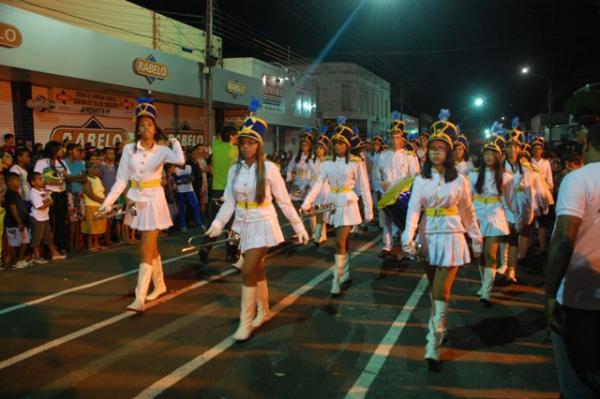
x,y
140,185
337,190
251,204
440,212
487,199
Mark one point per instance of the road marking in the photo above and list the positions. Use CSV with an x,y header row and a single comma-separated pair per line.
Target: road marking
x,y
95,327
82,287
59,386
366,378
178,374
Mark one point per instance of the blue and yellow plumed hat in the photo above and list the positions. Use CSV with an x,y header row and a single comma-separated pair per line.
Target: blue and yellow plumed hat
x,y
376,137
323,140
342,132
307,135
443,130
515,135
145,107
356,143
253,127
397,124
537,140
498,132
461,140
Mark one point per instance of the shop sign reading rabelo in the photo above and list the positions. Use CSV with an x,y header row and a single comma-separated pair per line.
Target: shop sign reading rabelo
x,y
10,36
150,69
92,132
186,135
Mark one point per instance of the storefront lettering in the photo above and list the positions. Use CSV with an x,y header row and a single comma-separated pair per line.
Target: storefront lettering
x,y
90,132
187,136
150,69
91,103
236,87
10,36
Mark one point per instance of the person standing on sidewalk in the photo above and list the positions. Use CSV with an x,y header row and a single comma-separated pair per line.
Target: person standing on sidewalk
x,y
573,277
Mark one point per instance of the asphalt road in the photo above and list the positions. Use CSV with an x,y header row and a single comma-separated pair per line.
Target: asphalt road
x,y
65,332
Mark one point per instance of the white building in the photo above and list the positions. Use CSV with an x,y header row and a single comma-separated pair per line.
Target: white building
x,y
351,90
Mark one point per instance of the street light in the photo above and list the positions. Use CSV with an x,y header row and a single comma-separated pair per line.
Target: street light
x,y
478,102
527,71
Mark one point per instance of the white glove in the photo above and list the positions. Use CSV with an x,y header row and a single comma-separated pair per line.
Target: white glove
x,y
172,140
305,208
303,237
102,210
215,230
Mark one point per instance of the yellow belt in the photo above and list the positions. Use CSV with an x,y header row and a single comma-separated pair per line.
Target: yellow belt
x,y
486,199
145,184
301,173
438,212
337,190
251,204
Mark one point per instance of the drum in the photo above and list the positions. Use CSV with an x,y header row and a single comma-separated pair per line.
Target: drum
x,y
394,202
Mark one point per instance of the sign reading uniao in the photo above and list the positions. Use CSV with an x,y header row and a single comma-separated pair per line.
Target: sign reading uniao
x,y
92,132
150,69
10,36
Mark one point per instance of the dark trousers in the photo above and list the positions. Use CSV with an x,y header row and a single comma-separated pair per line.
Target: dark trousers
x,y
58,219
582,344
185,200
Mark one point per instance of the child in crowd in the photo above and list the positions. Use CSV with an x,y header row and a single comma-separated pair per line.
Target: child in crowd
x,y
40,220
15,222
169,187
93,191
186,197
20,168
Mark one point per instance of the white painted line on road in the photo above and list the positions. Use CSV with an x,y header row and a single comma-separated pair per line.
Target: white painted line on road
x,y
95,327
82,287
178,374
366,378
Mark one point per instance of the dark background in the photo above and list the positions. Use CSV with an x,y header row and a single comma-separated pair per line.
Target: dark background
x,y
444,53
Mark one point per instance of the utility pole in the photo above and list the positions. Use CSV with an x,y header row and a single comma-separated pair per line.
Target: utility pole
x,y
206,70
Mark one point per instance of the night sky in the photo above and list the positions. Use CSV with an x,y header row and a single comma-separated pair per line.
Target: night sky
x,y
446,52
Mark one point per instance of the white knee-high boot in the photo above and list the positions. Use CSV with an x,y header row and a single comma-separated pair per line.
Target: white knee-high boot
x,y
487,283
263,312
503,258
437,329
247,313
346,271
158,280
338,270
317,233
144,277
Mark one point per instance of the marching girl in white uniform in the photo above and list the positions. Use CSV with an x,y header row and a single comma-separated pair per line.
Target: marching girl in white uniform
x,y
374,175
344,173
461,155
141,167
491,185
321,149
252,185
445,197
298,174
521,215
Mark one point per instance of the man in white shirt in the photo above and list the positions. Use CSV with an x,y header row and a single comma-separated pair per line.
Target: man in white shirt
x,y
573,277
394,166
545,170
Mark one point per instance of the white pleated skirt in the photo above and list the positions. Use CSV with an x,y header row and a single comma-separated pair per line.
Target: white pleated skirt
x,y
152,215
492,220
258,234
346,214
447,249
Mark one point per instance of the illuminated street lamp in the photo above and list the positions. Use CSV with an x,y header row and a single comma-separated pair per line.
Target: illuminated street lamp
x,y
527,71
478,102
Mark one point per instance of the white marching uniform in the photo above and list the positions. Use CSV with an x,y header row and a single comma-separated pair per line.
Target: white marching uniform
x,y
315,169
143,168
448,215
257,224
522,213
299,175
545,169
343,178
463,167
374,174
489,204
393,167
542,198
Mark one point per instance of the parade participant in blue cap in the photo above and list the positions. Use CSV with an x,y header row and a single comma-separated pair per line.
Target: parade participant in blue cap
x,y
252,185
141,167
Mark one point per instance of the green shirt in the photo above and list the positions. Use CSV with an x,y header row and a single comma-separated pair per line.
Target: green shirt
x,y
223,156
